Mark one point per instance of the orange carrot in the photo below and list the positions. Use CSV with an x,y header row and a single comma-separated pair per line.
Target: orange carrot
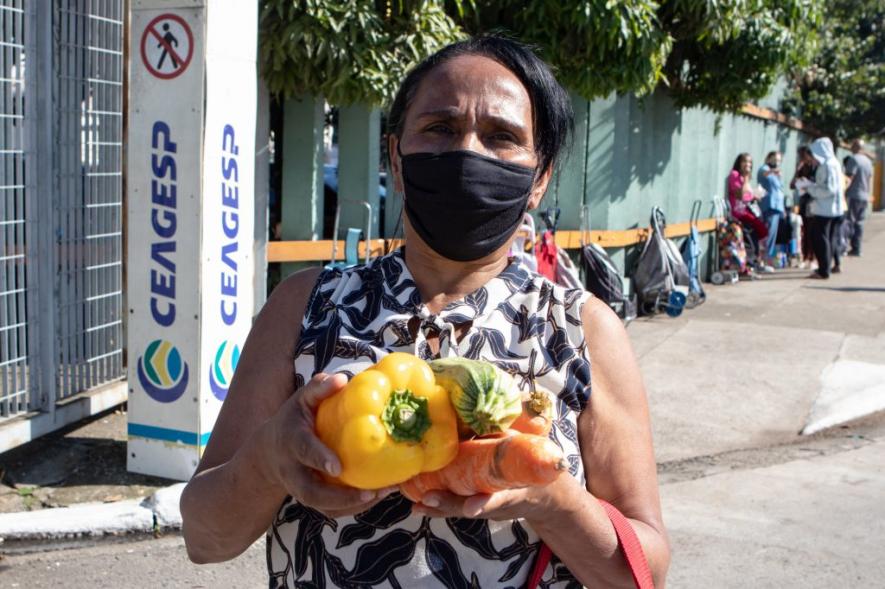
x,y
487,465
537,415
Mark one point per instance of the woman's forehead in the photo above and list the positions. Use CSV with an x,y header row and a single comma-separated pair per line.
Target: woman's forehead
x,y
469,81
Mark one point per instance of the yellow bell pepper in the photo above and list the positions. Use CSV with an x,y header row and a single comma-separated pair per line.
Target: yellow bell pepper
x,y
389,423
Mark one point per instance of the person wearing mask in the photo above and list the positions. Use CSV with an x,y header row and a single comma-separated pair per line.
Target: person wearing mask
x,y
859,172
825,207
806,167
740,195
476,132
773,212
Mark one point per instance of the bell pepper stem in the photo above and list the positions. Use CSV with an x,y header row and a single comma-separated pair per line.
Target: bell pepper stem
x,y
406,416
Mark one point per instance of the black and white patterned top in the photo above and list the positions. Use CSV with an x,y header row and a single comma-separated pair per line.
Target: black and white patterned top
x,y
521,322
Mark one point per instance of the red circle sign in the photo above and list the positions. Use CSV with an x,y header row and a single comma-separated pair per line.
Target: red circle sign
x,y
167,46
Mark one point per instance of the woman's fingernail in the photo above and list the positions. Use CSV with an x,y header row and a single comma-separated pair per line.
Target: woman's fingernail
x,y
367,495
331,468
430,501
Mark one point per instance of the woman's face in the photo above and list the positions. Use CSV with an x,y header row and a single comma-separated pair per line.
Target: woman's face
x,y
746,166
471,103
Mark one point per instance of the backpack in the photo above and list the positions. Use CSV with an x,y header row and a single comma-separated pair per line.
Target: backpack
x,y
661,277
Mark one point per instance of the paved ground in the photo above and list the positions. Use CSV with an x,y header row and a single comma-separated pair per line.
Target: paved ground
x,y
744,369
82,463
749,503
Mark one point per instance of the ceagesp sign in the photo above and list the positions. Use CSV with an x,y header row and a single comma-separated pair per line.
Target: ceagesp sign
x,y
190,177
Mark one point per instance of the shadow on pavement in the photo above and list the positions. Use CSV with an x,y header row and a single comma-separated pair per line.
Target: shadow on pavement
x,y
849,288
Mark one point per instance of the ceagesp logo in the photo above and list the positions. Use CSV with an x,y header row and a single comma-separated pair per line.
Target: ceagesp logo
x,y
221,372
161,371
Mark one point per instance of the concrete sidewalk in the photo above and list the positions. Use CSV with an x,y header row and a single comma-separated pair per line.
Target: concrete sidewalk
x,y
750,368
761,360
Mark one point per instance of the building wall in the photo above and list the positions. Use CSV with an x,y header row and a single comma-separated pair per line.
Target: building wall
x,y
632,154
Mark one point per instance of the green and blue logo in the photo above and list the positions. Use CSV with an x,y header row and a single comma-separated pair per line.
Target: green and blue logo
x,y
221,372
162,372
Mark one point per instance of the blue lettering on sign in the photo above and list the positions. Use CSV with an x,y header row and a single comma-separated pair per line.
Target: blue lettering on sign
x,y
230,224
164,222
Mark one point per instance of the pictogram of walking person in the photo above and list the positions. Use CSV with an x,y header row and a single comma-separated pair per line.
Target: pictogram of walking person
x,y
167,43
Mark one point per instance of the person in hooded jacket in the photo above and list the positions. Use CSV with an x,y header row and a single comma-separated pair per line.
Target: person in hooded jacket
x,y
825,208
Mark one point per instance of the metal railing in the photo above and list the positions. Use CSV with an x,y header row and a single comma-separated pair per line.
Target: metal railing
x,y
61,287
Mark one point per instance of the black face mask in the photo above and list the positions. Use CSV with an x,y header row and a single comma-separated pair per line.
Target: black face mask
x,y
464,205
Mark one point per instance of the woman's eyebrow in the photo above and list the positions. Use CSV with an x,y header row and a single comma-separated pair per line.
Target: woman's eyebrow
x,y
454,114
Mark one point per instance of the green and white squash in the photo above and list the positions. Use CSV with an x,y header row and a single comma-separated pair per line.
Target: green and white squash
x,y
486,398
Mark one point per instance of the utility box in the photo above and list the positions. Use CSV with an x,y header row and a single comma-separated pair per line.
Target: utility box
x,y
190,192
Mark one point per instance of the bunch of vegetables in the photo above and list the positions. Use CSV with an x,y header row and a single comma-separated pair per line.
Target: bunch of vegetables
x,y
457,425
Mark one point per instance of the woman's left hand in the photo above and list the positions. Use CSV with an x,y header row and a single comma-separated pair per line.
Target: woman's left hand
x,y
532,503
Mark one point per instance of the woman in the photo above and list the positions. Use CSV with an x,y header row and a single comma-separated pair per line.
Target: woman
x,y
769,178
740,195
826,208
475,133
806,167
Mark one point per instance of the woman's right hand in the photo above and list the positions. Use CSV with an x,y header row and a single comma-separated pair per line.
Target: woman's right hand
x,y
296,456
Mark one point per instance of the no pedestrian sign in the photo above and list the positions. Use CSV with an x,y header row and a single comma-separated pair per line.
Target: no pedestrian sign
x,y
167,46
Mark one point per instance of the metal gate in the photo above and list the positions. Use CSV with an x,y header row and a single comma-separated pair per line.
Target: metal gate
x,y
61,220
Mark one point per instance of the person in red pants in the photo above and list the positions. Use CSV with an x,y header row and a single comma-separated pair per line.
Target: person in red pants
x,y
740,194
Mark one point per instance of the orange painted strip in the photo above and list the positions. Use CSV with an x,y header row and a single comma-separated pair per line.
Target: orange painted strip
x,y
315,251
321,251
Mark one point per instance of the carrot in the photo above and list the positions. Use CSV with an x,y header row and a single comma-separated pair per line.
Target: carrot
x,y
487,465
537,415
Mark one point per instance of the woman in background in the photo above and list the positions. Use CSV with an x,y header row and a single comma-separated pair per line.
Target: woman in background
x,y
805,168
769,178
825,207
740,195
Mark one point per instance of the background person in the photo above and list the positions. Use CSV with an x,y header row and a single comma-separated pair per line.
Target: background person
x,y
825,207
859,171
740,195
806,166
475,134
769,178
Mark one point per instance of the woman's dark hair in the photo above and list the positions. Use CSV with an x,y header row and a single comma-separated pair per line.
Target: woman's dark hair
x,y
740,158
552,116
803,150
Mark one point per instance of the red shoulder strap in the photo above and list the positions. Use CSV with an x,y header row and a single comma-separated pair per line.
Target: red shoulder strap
x,y
628,541
631,547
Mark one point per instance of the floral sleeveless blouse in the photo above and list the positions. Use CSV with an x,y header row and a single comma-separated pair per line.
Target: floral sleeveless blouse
x,y
521,322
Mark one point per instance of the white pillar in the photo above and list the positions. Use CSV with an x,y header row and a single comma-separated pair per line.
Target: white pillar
x,y
190,181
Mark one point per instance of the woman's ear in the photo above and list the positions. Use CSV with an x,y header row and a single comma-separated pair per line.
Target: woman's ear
x,y
395,167
539,189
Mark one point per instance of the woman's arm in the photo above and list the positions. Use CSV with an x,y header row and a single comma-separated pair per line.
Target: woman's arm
x,y
616,443
615,438
262,447
735,187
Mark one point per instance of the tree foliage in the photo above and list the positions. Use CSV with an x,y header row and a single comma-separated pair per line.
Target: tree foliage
x,y
597,46
713,53
842,92
728,53
348,50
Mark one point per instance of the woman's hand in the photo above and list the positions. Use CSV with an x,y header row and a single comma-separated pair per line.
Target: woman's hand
x,y
296,457
532,503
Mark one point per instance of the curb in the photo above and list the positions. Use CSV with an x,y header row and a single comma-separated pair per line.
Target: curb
x,y
158,511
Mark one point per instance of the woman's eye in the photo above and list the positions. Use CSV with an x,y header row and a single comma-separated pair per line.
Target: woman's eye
x,y
440,128
503,138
